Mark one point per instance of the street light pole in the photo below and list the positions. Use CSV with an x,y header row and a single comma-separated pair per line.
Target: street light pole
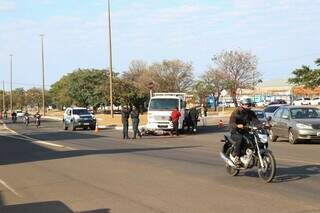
x,y
110,59
42,62
3,100
11,82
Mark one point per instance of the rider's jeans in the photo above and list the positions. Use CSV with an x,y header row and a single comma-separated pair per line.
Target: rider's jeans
x,y
237,138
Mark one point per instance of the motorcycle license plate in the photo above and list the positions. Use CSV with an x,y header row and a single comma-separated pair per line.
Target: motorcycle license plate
x,y
318,133
86,124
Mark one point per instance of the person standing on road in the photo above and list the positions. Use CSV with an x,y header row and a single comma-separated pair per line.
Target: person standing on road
x,y
239,118
135,122
194,118
125,122
175,115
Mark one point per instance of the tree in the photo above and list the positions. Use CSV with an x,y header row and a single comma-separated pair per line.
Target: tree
x,y
239,70
34,97
18,98
59,92
172,76
217,81
201,90
86,87
306,76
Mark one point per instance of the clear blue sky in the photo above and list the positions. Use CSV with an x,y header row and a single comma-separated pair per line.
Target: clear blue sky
x,y
283,34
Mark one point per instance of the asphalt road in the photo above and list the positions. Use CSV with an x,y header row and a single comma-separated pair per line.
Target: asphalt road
x,y
48,170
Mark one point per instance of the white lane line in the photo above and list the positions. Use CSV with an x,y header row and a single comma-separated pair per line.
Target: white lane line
x,y
299,161
47,143
33,140
9,188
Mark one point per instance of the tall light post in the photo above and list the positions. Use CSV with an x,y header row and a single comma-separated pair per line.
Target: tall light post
x,y
11,109
3,98
110,59
42,66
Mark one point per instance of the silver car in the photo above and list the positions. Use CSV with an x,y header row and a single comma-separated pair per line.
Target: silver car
x,y
297,123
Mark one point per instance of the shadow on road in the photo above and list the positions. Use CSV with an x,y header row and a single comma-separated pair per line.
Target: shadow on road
x,y
296,173
56,136
207,130
288,174
14,150
47,207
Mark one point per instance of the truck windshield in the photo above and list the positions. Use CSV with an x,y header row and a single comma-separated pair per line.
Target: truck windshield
x,y
163,104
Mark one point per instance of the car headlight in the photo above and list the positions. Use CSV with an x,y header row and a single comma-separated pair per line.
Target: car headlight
x,y
151,119
303,126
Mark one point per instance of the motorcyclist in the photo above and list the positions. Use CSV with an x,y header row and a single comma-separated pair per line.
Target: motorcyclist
x,y
37,116
240,117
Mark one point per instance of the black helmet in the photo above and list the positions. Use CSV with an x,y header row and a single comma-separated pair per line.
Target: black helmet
x,y
247,102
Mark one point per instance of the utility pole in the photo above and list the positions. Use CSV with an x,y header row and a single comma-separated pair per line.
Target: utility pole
x,y
11,109
110,60
3,98
43,89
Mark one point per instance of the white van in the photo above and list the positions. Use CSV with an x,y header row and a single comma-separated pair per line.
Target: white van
x,y
159,110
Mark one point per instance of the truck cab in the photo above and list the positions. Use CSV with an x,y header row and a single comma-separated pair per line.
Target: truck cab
x,y
159,110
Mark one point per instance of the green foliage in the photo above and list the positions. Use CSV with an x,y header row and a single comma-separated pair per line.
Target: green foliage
x,y
306,76
59,92
201,90
86,87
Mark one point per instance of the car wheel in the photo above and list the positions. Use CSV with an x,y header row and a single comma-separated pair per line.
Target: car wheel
x,y
72,127
65,127
272,137
93,127
292,138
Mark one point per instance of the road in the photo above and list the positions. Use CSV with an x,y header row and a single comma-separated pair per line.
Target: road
x,y
51,170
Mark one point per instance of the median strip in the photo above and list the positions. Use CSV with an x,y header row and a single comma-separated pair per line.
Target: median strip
x,y
9,188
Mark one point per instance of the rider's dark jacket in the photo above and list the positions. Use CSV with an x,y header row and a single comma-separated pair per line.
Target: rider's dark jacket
x,y
242,116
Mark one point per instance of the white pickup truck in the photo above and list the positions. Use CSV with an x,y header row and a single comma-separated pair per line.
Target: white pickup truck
x,y
160,108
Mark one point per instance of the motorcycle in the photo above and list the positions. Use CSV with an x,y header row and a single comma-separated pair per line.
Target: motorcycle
x,y
37,121
26,120
254,153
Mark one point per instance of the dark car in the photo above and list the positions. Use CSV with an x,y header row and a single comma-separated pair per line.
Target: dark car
x,y
260,115
280,101
297,123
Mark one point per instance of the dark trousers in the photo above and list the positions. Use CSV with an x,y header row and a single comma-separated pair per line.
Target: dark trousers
x,y
237,138
175,127
135,125
125,130
194,124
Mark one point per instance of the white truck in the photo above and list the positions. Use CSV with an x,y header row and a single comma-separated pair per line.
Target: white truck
x,y
159,110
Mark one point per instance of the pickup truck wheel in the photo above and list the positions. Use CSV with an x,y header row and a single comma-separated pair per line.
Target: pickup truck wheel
x,y
72,127
65,127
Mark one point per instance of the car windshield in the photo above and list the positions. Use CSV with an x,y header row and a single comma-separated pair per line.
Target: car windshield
x,y
81,112
305,113
260,114
271,109
163,104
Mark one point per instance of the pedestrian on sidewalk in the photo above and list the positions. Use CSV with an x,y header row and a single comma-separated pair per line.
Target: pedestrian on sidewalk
x,y
135,122
125,122
204,111
175,115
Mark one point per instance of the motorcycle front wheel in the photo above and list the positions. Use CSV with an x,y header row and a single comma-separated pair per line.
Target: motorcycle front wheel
x,y
269,171
230,170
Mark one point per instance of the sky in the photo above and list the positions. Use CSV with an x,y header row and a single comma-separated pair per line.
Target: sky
x,y
283,34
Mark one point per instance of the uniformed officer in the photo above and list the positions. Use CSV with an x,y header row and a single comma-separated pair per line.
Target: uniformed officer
x,y
135,122
125,122
194,118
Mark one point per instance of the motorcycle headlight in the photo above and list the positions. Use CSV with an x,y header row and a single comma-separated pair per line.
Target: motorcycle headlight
x,y
303,126
263,138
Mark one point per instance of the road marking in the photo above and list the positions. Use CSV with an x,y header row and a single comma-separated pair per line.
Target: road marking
x,y
33,140
299,161
9,188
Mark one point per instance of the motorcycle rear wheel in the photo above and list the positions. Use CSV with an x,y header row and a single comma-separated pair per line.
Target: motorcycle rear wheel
x,y
269,172
230,170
